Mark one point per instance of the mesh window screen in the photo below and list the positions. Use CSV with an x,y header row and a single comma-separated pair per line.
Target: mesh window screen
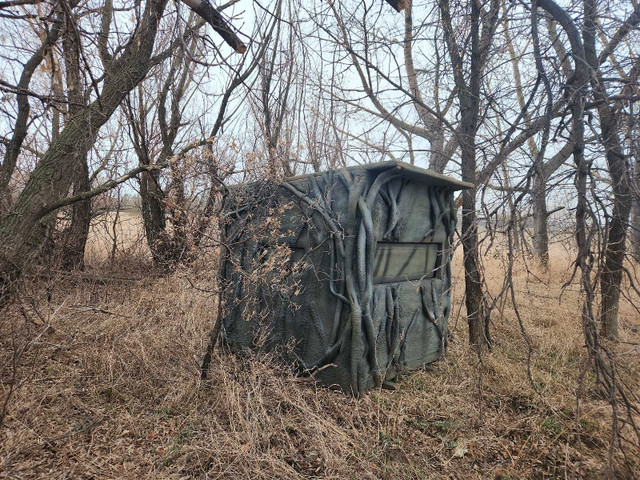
x,y
400,262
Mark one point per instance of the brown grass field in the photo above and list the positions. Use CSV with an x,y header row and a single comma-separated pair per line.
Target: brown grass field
x,y
107,386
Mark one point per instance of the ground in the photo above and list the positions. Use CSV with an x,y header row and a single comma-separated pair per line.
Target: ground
x,y
107,385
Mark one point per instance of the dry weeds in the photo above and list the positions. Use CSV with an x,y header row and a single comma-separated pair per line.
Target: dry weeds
x,y
109,388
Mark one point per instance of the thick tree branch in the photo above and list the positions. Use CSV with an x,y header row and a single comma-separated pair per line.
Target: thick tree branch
x,y
621,33
397,5
214,18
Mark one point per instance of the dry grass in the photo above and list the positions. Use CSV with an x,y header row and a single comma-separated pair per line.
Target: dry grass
x,y
109,388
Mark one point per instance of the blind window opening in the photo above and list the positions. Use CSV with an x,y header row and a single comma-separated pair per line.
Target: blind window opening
x,y
401,262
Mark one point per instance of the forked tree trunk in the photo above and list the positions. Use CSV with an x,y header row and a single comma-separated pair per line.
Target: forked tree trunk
x,y
168,246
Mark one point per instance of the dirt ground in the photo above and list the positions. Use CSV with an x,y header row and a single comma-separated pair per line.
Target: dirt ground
x,y
103,373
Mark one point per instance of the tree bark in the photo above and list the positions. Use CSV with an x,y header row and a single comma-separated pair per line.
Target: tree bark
x,y
75,236
153,215
167,247
477,318
540,219
469,113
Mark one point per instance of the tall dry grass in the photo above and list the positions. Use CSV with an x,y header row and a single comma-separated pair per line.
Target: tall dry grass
x,y
108,387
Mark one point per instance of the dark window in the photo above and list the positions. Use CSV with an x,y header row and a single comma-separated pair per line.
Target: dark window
x,y
400,262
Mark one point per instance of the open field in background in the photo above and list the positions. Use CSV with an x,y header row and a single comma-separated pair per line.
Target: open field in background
x,y
116,235
109,388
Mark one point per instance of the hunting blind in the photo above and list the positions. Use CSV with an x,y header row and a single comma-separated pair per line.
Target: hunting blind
x,y
348,271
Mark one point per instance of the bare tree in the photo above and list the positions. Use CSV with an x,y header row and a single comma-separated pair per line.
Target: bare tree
x,y
19,132
617,161
482,28
24,228
158,112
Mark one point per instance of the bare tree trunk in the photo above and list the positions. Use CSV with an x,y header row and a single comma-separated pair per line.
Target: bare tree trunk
x,y
469,98
477,318
57,87
615,240
178,247
540,219
167,247
612,272
216,189
474,296
75,236
152,195
153,215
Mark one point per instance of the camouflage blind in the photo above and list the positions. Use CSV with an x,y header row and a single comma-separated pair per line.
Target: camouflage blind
x,y
346,272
